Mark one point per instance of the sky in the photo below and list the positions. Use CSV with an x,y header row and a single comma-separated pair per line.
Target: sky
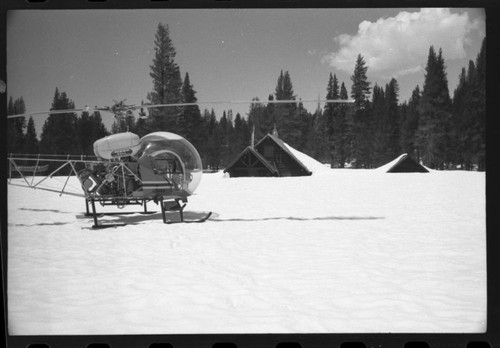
x,y
97,56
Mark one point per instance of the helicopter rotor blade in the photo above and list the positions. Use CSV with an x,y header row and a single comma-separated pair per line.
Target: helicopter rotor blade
x,y
334,101
150,106
55,112
69,111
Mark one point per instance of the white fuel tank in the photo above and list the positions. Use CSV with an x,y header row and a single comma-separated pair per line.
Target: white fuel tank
x,y
117,145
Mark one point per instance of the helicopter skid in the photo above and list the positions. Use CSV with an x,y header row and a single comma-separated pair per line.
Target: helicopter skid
x,y
120,213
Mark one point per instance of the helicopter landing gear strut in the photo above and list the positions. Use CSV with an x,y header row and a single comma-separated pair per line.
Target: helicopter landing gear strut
x,y
172,205
175,205
97,225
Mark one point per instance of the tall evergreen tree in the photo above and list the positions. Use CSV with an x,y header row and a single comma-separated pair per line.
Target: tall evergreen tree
x,y
59,130
360,89
479,142
469,116
167,83
31,145
393,148
190,121
16,126
433,136
409,125
342,126
329,132
362,135
379,109
258,114
287,116
212,148
90,128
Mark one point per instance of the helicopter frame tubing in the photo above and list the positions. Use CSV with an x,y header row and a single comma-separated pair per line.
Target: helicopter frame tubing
x,y
166,203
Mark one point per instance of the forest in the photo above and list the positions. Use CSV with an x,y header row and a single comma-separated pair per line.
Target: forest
x,y
441,131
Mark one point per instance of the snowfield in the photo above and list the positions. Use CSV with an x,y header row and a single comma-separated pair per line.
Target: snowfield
x,y
339,251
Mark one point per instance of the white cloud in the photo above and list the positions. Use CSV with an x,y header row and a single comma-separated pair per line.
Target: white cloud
x,y
399,45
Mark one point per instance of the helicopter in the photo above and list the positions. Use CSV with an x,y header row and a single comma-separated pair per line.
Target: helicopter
x,y
126,169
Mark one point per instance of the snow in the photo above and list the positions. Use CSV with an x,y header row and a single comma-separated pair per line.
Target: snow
x,y
387,166
313,165
345,251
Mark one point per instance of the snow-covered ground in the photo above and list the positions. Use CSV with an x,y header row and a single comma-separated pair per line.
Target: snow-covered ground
x,y
339,251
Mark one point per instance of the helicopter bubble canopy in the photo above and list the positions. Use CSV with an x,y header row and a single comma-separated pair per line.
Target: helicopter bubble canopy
x,y
163,153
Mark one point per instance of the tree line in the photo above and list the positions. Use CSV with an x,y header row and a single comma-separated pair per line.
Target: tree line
x,y
440,131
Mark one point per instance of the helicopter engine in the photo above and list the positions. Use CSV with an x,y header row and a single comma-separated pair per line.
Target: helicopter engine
x,y
110,178
107,179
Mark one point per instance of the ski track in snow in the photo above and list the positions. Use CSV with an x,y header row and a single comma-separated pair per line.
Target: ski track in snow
x,y
339,251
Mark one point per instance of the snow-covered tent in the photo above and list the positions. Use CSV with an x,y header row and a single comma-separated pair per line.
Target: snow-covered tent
x,y
269,157
403,164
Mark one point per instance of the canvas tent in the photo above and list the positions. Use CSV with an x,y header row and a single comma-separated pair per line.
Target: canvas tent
x,y
269,157
403,164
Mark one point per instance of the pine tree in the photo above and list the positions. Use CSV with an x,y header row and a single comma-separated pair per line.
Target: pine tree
x,y
258,114
392,149
327,124
287,116
360,89
240,135
362,135
380,127
31,145
342,127
409,125
90,129
433,135
479,140
468,121
213,142
59,130
16,126
190,121
167,83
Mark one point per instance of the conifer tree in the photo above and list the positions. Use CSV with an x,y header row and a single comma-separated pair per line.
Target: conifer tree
x,y
362,135
392,149
90,128
167,83
468,122
330,113
479,142
258,114
16,126
190,121
409,125
342,127
288,117
31,141
317,142
59,130
240,135
379,109
433,135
